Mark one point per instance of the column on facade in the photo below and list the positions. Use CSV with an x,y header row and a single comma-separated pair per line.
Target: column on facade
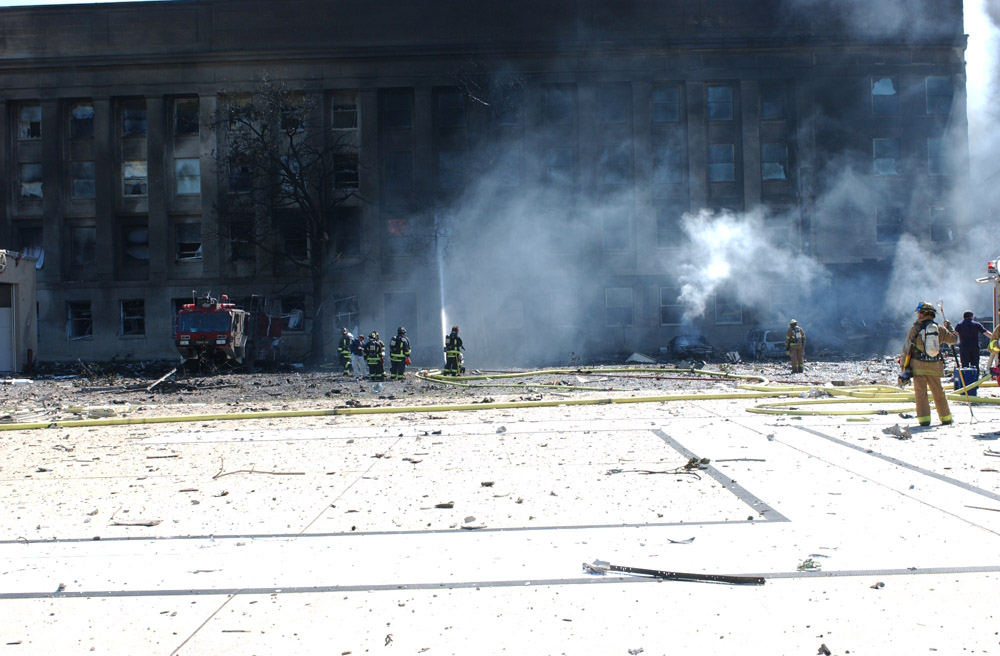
x,y
805,150
156,185
645,211
211,248
6,229
368,161
697,131
750,114
52,215
106,185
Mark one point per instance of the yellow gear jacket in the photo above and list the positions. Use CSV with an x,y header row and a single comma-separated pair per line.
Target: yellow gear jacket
x,y
914,342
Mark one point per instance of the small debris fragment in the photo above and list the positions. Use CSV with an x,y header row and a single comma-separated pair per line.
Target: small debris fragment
x,y
447,504
634,652
823,649
878,586
502,429
486,484
809,565
897,431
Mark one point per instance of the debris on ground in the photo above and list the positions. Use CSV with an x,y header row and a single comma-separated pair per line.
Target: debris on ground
x,y
897,431
640,358
809,565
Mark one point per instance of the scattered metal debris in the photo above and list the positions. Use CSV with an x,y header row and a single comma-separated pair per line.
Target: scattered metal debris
x,y
601,567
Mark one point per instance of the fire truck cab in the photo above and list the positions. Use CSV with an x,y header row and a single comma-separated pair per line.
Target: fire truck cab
x,y
214,333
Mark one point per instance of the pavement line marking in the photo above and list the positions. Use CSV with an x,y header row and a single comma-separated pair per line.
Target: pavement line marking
x,y
757,504
202,625
900,463
459,585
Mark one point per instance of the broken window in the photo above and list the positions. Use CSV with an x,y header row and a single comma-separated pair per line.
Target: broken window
x,y
399,170
936,164
559,104
239,180
293,313
187,176
81,120
345,312
671,309
344,230
187,237
668,163
345,171
241,240
560,165
774,161
239,112
29,124
399,237
134,177
721,163
886,156
134,240
942,226
939,95
133,318
28,238
888,224
615,228
666,103
885,100
186,117
82,180
79,321
449,108
396,108
345,109
618,306
728,309
83,246
294,235
773,101
719,102
133,118
613,165
31,180
613,103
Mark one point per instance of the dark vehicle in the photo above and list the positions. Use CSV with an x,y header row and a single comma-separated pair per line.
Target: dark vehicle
x,y
762,343
211,333
694,347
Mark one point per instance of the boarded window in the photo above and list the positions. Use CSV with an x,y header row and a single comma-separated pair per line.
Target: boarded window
x,y
885,100
31,180
134,177
186,118
133,318
618,306
81,121
79,321
666,103
187,175
719,105
774,161
29,124
82,180
721,163
187,237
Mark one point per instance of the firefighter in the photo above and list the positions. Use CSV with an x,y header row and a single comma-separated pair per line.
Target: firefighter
x,y
374,354
453,353
358,354
922,351
344,350
399,354
795,345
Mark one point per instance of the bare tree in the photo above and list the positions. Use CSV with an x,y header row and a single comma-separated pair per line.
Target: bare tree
x,y
286,181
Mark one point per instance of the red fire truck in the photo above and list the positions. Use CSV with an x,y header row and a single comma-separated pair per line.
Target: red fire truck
x,y
213,333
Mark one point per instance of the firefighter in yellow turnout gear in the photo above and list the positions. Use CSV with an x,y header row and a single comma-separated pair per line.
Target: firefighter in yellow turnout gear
x,y
795,345
922,351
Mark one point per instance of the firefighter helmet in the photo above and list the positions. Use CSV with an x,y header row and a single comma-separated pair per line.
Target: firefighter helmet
x,y
454,330
925,308
401,331
793,322
373,335
343,331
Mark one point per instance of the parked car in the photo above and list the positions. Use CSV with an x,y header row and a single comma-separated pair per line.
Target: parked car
x,y
763,343
690,347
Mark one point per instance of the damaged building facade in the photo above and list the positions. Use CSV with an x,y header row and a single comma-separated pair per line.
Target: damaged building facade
x,y
521,170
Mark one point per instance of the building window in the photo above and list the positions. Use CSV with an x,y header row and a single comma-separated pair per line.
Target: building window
x,y
721,163
28,240
728,310
344,229
292,114
399,170
294,236
82,180
668,164
666,103
345,312
449,108
241,241
507,110
133,118
450,166
134,245
720,103
939,95
187,176
81,121
79,321
669,233
29,124
187,237
773,101
618,306
671,309
186,118
345,109
560,165
293,314
613,165
133,318
559,104
613,103
83,246
774,161
134,177
942,227
396,107
345,171
936,164
240,181
886,156
888,224
31,180
615,227
885,100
